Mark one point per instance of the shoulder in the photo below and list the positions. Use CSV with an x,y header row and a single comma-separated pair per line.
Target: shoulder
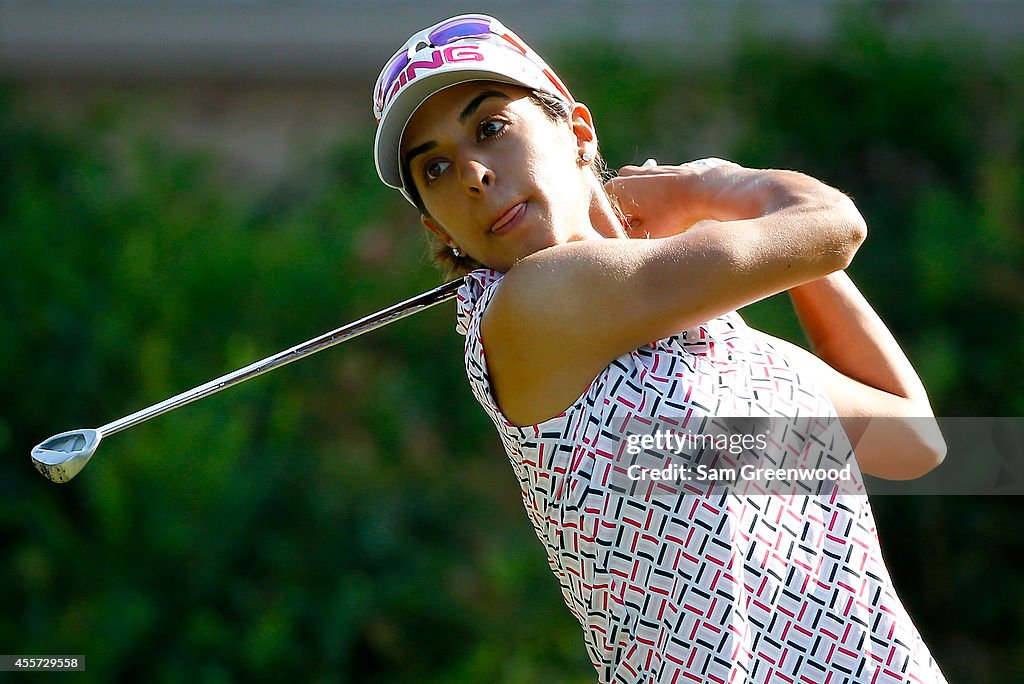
x,y
558,318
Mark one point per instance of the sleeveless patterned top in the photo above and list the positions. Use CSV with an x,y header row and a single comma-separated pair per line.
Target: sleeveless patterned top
x,y
692,581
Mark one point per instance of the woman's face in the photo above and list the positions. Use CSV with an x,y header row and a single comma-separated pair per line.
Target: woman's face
x,y
499,178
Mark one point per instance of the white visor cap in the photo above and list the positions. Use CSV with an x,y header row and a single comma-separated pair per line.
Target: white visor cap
x,y
469,47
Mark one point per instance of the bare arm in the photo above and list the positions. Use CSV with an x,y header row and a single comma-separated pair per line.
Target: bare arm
x,y
562,314
875,389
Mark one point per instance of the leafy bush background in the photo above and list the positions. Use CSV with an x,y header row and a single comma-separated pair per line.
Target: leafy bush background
x,y
352,518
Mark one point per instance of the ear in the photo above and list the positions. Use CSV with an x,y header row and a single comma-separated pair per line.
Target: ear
x,y
582,124
432,226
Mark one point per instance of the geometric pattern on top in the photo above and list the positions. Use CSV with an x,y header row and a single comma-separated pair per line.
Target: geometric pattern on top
x,y
693,581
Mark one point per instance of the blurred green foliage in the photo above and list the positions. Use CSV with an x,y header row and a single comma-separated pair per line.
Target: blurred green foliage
x,y
352,518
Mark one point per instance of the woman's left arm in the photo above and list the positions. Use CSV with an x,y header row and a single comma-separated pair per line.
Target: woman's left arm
x,y
875,389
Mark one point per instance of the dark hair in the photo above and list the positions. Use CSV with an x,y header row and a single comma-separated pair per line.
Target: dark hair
x,y
556,110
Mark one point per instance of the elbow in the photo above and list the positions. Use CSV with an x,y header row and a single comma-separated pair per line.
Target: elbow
x,y
912,463
927,458
835,222
924,449
903,447
929,442
850,230
932,446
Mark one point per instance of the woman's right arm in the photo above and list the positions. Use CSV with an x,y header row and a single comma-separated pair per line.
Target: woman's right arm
x,y
562,314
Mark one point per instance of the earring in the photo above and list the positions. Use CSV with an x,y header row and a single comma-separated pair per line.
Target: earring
x,y
456,251
585,157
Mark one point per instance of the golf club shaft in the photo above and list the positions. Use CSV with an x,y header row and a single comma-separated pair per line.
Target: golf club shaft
x,y
329,339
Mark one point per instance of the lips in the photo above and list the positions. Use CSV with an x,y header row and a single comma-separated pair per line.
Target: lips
x,y
509,219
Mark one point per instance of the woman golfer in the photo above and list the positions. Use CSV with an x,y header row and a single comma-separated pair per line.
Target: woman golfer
x,y
601,335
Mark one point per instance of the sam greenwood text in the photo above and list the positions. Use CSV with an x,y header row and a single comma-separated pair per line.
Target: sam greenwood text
x,y
750,473
666,441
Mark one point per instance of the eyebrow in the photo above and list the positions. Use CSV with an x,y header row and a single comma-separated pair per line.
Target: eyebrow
x,y
475,103
466,112
419,149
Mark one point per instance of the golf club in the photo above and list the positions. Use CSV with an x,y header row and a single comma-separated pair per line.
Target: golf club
x,y
63,456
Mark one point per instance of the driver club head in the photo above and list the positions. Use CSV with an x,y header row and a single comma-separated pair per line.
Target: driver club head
x,y
62,456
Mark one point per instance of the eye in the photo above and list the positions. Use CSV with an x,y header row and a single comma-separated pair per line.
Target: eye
x,y
491,128
433,169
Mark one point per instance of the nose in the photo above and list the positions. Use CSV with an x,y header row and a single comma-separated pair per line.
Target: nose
x,y
476,177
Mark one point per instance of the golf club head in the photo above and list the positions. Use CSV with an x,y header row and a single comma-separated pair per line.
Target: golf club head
x,y
62,456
